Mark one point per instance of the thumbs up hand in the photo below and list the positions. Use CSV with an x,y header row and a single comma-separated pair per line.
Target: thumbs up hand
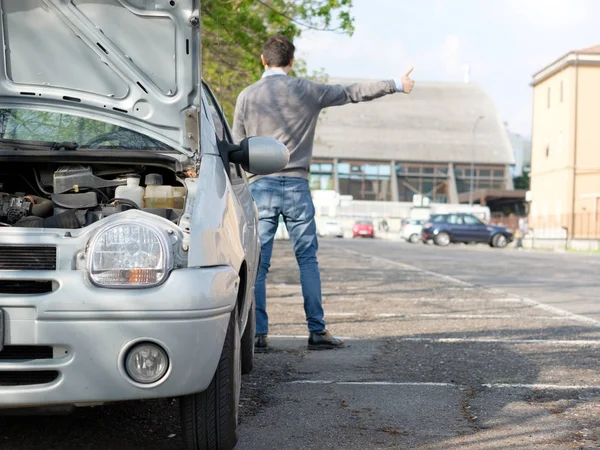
x,y
407,82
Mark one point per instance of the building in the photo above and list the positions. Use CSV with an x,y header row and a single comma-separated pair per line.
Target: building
x,y
522,152
565,165
422,144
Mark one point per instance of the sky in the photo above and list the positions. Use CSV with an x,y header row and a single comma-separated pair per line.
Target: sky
x,y
504,42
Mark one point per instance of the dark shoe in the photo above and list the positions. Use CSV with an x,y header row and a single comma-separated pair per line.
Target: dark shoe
x,y
261,343
323,340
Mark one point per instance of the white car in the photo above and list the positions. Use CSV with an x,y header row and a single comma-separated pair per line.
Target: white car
x,y
129,245
331,228
411,230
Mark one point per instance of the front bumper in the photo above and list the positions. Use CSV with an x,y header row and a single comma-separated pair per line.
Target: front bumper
x,y
90,329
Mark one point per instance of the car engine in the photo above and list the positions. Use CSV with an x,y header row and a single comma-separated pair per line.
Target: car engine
x,y
75,196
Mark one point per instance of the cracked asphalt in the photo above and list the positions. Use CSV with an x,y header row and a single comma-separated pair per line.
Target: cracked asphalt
x,y
431,362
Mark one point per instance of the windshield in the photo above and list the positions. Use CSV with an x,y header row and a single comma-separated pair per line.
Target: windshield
x,y
25,125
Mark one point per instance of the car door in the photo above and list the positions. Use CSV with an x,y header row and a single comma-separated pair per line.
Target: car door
x,y
476,229
455,227
239,185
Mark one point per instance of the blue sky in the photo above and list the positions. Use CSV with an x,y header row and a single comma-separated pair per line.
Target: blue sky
x,y
504,41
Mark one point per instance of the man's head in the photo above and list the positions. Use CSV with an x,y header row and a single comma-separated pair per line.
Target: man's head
x,y
278,52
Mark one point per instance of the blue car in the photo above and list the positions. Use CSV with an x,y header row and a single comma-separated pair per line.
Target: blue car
x,y
444,229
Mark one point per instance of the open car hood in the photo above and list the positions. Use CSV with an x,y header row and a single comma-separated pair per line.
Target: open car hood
x,y
132,63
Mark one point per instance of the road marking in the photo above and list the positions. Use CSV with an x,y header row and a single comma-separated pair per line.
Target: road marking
x,y
340,314
556,342
527,301
546,387
564,342
471,316
371,383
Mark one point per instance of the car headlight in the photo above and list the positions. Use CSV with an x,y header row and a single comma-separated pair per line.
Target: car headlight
x,y
129,254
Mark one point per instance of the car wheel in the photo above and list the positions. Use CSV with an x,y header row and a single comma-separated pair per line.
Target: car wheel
x,y
248,341
442,239
499,241
209,419
414,238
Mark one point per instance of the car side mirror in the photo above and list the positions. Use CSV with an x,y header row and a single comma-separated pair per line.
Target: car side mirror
x,y
260,155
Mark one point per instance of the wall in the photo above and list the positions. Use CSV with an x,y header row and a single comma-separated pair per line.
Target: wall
x,y
552,147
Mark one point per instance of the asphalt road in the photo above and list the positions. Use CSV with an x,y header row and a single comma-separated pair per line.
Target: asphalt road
x,y
569,281
430,362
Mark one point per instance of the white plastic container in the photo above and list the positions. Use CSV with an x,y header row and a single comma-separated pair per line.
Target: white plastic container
x,y
178,197
158,196
133,191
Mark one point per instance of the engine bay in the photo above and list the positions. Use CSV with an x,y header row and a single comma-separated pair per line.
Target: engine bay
x,y
76,195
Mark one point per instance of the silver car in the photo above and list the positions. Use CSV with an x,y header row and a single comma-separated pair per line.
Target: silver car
x,y
128,238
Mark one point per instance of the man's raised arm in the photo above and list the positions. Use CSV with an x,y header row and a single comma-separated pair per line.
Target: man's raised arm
x,y
337,95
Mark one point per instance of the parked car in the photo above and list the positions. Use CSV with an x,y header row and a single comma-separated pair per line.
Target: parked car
x,y
411,230
363,228
129,245
331,228
444,229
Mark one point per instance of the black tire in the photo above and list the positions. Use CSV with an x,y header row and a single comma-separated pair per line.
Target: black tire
x,y
209,419
499,241
413,238
442,239
248,341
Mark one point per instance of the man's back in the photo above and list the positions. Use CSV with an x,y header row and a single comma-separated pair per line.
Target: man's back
x,y
287,108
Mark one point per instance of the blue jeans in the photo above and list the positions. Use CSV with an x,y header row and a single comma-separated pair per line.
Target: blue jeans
x,y
288,197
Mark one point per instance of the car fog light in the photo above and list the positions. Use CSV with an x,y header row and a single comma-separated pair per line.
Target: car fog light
x,y
146,363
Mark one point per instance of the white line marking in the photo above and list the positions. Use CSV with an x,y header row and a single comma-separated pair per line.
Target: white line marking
x,y
369,383
340,314
556,342
548,387
527,301
472,316
555,387
565,342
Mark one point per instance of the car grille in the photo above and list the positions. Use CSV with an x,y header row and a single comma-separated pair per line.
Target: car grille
x,y
22,257
25,287
25,352
27,378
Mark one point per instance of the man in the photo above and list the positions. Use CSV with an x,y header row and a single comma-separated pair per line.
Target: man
x,y
287,109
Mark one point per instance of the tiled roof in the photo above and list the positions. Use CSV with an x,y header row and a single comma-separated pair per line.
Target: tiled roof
x,y
434,123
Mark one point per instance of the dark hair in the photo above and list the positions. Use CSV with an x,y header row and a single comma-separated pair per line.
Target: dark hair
x,y
278,51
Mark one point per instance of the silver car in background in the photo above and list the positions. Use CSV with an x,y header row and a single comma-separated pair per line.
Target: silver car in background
x,y
128,245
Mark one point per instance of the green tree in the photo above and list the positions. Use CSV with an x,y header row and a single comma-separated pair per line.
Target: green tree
x,y
234,31
523,182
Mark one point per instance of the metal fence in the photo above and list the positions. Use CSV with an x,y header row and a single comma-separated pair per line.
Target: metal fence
x,y
574,226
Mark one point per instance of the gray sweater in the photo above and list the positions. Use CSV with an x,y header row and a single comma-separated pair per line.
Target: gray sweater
x,y
287,108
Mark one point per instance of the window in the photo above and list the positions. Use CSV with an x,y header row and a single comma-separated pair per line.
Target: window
x,y
365,180
470,220
561,91
217,117
453,219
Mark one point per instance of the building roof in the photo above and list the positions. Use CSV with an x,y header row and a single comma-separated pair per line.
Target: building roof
x,y
433,124
595,50
586,56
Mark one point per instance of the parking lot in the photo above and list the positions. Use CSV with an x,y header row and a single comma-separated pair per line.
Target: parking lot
x,y
441,354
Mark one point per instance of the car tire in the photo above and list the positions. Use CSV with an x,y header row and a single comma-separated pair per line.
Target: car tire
x,y
248,341
209,418
499,241
442,239
413,238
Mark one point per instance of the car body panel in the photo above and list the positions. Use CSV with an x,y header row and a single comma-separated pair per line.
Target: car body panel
x,y
132,63
462,228
363,228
